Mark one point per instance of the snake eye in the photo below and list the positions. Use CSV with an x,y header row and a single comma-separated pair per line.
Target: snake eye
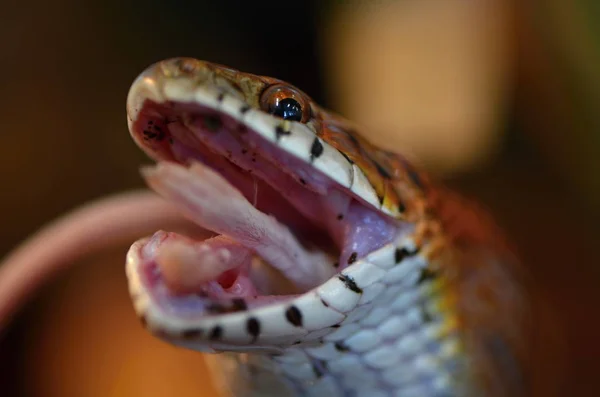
x,y
285,102
288,109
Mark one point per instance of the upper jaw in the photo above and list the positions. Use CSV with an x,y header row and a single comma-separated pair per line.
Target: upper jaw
x,y
234,95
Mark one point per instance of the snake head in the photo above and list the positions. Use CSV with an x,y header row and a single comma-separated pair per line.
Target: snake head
x,y
280,183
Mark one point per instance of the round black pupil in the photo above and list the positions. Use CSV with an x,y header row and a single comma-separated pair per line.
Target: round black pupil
x,y
288,109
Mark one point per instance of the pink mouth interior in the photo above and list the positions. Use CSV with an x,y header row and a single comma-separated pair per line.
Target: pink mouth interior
x,y
319,213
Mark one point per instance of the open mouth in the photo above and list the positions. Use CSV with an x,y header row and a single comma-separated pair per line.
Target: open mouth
x,y
288,212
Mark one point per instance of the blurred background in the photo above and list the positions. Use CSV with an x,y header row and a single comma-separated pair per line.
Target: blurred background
x,y
498,98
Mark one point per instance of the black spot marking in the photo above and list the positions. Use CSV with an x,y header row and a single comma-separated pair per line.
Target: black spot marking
x,y
294,316
253,327
244,109
221,96
426,275
336,264
192,333
352,258
317,371
382,171
402,253
401,207
335,326
143,321
216,333
280,131
212,123
341,346
316,150
324,303
239,304
302,181
297,342
426,316
340,217
350,283
319,368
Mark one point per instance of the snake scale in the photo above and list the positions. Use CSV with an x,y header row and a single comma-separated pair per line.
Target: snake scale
x,y
335,268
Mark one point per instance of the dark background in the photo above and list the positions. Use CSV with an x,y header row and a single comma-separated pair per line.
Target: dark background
x,y
65,71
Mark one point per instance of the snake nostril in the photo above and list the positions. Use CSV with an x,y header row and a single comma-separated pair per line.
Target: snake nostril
x,y
184,65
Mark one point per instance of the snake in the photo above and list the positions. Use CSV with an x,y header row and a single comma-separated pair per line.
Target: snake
x,y
331,267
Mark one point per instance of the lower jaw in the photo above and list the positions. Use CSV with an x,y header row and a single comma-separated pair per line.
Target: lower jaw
x,y
239,289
